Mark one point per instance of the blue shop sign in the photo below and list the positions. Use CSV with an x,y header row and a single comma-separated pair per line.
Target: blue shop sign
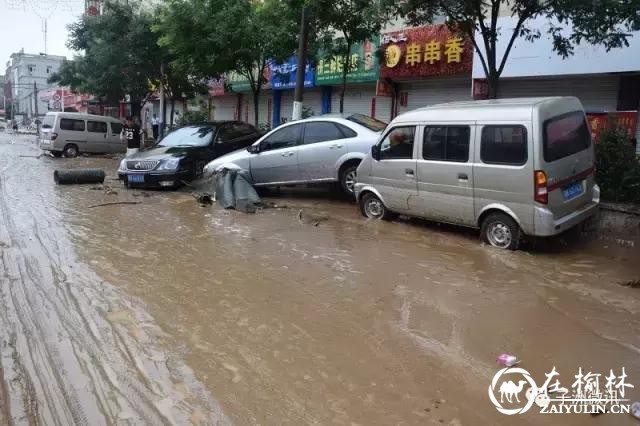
x,y
283,76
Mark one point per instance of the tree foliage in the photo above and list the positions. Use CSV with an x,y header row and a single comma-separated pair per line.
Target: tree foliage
x,y
617,166
208,38
603,22
341,25
118,54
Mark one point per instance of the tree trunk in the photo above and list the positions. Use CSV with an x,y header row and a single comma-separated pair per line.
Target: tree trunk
x,y
173,105
256,102
493,81
346,66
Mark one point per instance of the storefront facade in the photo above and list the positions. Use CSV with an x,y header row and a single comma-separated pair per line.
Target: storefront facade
x,y
604,81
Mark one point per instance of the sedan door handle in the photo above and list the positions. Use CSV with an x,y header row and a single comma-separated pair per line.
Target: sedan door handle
x,y
463,176
335,146
409,172
287,154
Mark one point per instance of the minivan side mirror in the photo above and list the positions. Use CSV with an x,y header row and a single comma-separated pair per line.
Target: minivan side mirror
x,y
254,149
375,152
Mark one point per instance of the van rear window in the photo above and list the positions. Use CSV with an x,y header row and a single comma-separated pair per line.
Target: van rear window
x,y
565,135
48,121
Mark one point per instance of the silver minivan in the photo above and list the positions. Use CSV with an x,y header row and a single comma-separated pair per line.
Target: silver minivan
x,y
71,133
511,167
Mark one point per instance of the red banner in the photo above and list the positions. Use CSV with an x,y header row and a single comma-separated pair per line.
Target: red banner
x,y
425,51
384,89
598,121
216,87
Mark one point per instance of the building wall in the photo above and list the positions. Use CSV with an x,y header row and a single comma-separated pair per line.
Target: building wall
x,y
23,71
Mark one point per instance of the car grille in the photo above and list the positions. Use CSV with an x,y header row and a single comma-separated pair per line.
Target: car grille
x,y
141,165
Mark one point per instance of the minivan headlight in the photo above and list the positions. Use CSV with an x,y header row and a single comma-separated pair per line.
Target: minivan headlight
x,y
123,165
170,164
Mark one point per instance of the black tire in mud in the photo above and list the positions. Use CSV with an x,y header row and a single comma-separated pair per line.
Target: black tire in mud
x,y
76,176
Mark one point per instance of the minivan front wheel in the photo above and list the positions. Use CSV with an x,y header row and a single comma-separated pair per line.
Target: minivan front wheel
x,y
373,208
70,151
501,231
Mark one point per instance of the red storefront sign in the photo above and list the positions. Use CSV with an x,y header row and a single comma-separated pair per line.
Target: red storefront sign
x,y
598,121
384,89
216,87
425,51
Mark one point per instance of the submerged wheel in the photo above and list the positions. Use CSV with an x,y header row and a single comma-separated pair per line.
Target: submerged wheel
x,y
70,151
373,208
501,231
348,180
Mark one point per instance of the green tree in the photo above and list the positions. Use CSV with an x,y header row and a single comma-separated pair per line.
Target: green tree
x,y
208,38
353,22
603,22
118,54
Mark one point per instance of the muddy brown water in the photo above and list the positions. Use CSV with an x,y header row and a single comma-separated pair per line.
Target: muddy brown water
x,y
168,312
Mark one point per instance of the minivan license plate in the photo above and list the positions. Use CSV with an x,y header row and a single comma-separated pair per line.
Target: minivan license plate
x,y
572,191
136,178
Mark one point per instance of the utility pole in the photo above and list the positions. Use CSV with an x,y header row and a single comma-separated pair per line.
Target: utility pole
x,y
35,99
162,101
302,63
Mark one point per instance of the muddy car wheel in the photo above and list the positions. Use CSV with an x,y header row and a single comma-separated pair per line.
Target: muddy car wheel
x,y
70,151
348,180
501,231
373,208
56,154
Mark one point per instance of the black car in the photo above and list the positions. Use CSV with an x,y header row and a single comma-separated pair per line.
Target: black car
x,y
182,154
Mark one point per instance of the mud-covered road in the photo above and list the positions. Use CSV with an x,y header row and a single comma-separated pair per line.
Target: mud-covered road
x,y
168,312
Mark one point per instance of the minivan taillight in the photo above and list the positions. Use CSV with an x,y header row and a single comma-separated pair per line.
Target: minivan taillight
x,y
540,194
54,136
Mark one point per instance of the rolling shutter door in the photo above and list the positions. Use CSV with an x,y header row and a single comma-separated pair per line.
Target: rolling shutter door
x,y
597,94
357,99
263,108
638,132
312,98
435,91
286,105
383,108
224,107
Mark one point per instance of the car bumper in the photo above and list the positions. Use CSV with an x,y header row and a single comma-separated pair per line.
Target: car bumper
x,y
47,145
545,225
156,179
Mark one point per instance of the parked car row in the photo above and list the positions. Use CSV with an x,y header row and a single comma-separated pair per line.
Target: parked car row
x,y
511,167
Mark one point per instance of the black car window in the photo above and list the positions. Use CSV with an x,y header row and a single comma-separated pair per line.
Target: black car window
x,y
285,137
246,129
69,124
398,143
321,131
446,143
189,136
228,133
504,144
96,127
116,127
347,132
565,135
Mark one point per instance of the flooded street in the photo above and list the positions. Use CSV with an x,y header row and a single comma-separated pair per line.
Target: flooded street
x,y
166,312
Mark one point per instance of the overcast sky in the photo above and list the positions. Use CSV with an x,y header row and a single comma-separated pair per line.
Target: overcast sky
x,y
21,27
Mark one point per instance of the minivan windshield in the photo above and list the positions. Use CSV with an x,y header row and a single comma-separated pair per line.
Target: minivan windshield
x,y
565,135
368,122
48,121
189,136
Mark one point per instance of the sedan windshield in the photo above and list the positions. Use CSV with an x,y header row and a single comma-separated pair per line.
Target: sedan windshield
x,y
368,122
189,136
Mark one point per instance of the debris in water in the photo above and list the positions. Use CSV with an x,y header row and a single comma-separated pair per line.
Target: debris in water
x,y
114,203
204,199
632,283
508,360
635,410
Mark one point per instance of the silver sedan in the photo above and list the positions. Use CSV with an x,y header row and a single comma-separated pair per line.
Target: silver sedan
x,y
321,149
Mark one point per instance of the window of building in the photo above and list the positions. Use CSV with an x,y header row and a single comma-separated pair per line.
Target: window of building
x,y
446,143
31,68
504,144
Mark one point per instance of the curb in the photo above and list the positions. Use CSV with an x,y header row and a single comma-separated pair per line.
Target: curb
x,y
632,209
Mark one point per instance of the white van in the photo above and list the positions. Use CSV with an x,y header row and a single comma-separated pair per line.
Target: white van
x,y
71,133
511,167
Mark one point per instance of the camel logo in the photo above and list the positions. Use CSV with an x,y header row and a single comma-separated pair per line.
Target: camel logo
x,y
512,392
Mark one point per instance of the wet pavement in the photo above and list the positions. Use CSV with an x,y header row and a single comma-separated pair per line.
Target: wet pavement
x,y
169,312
